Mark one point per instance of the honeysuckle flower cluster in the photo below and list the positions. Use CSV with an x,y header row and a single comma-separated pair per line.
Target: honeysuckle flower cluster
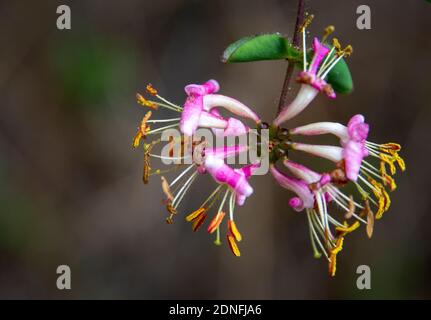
x,y
320,195
332,209
200,110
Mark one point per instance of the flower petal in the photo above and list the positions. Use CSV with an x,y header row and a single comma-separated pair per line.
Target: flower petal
x,y
305,95
302,172
191,115
319,128
353,154
332,153
297,186
234,106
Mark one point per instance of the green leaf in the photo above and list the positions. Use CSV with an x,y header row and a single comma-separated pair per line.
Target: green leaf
x,y
275,47
340,78
261,47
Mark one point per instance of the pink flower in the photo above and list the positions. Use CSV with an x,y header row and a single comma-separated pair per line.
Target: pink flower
x,y
236,179
312,79
352,139
197,110
304,199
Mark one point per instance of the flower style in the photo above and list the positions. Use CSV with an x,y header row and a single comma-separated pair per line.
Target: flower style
x,y
312,78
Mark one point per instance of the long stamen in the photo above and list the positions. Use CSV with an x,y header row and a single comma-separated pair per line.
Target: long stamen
x,y
231,205
183,190
164,120
166,106
316,252
321,210
181,175
163,128
223,200
304,51
334,221
337,191
365,194
169,103
331,65
211,196
370,166
323,66
318,239
167,158
344,206
368,184
376,175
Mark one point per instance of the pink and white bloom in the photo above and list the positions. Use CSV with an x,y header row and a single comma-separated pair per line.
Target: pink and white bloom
x,y
350,158
313,76
314,193
352,139
232,187
200,110
201,100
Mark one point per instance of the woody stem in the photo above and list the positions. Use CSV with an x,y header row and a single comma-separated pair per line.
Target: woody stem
x,y
291,65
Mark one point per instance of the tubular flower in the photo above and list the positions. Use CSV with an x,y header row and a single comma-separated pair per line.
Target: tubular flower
x,y
312,78
350,158
198,112
315,192
233,187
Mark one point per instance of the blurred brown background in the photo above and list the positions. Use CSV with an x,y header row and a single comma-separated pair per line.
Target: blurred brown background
x,y
70,183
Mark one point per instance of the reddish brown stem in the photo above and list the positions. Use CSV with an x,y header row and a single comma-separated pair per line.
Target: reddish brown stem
x,y
291,66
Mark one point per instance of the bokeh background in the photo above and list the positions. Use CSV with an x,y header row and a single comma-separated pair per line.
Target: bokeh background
x,y
70,183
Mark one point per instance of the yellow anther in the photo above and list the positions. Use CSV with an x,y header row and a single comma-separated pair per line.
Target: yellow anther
x,y
198,221
336,44
151,90
384,201
381,207
388,180
143,129
147,165
332,264
195,214
147,168
383,169
400,162
391,145
347,51
169,220
215,222
234,230
389,160
347,229
307,21
338,246
328,31
144,102
137,139
170,208
233,246
387,200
